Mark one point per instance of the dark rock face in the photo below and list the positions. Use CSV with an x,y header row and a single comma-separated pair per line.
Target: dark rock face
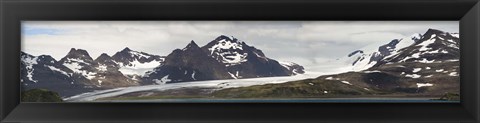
x,y
223,58
188,64
107,61
108,74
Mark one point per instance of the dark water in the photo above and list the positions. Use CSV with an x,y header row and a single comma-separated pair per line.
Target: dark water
x,y
336,100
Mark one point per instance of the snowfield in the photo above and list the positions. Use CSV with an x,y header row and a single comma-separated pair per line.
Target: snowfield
x,y
229,83
138,68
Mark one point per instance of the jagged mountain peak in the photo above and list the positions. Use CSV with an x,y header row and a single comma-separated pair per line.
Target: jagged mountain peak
x,y
135,63
126,49
416,36
227,50
78,53
433,31
24,54
225,37
128,54
191,45
47,59
103,57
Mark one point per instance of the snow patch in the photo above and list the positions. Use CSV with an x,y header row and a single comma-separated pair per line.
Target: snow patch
x,y
193,75
424,61
452,60
162,81
415,70
419,85
58,70
375,71
102,67
233,76
228,57
331,78
346,82
428,76
456,35
413,75
76,68
439,70
138,68
453,74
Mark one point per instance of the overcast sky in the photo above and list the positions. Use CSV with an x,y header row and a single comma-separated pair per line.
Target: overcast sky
x,y
304,42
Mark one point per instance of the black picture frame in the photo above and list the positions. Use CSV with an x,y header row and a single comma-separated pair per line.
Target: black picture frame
x,y
12,12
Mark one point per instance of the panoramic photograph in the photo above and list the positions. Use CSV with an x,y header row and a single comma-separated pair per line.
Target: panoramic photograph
x,y
240,61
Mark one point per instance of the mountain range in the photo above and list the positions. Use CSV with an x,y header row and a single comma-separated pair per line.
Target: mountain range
x,y
222,58
431,46
421,65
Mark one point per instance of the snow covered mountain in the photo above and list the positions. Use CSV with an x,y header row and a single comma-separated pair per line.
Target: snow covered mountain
x,y
223,58
101,72
135,63
415,47
45,72
80,62
244,61
436,46
78,72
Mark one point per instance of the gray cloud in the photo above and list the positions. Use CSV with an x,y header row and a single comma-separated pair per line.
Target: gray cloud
x,y
304,42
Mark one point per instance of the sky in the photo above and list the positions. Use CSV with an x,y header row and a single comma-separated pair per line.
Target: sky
x,y
307,43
